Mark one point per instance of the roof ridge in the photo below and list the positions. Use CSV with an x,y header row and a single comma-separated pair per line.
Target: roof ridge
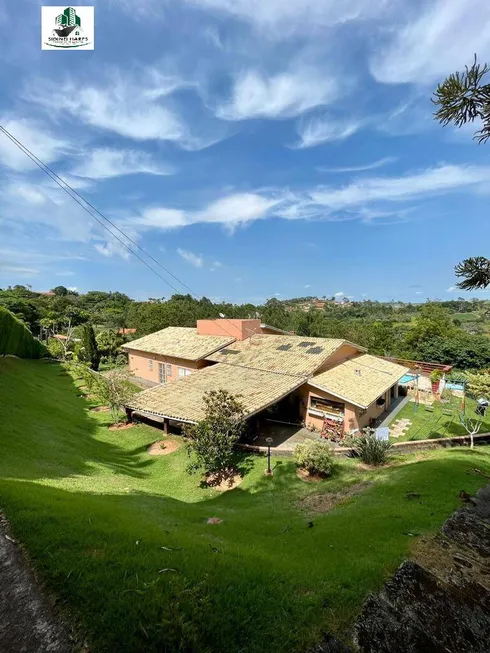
x,y
260,369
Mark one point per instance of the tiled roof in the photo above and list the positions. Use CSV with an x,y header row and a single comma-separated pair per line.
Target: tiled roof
x,y
179,342
297,355
360,380
182,400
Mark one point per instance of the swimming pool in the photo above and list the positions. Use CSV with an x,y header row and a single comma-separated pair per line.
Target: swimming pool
x,y
454,386
407,378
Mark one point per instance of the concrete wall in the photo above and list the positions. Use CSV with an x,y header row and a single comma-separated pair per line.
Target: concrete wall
x,y
239,329
140,366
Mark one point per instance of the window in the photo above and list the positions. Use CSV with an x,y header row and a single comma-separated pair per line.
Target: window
x,y
169,370
150,364
183,372
161,372
327,406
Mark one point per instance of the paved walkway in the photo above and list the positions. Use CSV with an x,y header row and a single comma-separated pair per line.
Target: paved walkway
x,y
28,621
400,427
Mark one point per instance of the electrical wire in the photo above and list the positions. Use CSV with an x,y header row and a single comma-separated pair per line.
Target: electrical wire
x,y
84,203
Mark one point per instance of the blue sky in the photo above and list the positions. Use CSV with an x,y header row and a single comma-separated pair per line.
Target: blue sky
x,y
256,148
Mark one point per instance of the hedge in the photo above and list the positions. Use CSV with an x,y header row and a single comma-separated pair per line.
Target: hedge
x,y
16,339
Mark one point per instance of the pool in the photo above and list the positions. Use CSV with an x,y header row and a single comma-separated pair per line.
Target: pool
x,y
454,386
407,378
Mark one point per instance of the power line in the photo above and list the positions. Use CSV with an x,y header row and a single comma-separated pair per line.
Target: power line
x,y
75,195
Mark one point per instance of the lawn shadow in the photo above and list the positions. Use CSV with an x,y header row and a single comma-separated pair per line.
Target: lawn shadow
x,y
56,428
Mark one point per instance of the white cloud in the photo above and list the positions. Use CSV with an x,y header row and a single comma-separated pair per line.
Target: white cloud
x,y
444,178
194,259
279,96
215,266
72,288
280,19
368,166
418,292
11,270
339,294
136,107
103,163
323,129
308,285
231,210
112,248
451,289
35,137
433,42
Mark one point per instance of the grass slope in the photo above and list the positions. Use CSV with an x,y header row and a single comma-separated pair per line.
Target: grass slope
x,y
94,511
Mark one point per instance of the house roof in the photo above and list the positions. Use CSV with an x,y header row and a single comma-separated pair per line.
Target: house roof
x,y
179,342
286,354
182,400
360,380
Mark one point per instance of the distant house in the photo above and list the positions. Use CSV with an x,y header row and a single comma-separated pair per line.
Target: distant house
x,y
310,380
126,332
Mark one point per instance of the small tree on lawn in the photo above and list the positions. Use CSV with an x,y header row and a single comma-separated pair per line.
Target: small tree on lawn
x,y
477,387
211,441
113,389
89,350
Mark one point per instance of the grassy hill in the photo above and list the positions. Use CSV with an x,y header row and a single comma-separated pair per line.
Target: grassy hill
x,y
122,540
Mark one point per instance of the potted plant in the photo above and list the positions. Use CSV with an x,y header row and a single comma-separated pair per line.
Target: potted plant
x,y
435,378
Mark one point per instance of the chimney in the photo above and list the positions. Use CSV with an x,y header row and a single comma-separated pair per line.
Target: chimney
x,y
238,329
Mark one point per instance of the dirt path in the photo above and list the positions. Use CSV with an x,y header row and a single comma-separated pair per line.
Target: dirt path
x,y
28,621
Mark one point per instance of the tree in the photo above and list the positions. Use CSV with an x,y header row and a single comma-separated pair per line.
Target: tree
x,y
89,351
108,343
60,291
113,389
432,321
211,441
463,98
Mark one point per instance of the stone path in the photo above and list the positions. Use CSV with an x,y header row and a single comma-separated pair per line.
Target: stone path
x,y
400,427
28,620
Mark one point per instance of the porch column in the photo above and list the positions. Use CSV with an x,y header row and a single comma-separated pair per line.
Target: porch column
x,y
129,415
165,425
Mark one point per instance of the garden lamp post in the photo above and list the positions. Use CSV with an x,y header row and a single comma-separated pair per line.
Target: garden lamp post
x,y
268,471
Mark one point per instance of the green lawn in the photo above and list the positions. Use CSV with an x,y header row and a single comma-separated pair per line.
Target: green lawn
x,y
443,421
95,513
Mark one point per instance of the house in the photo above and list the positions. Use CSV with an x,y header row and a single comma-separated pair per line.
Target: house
x,y
315,381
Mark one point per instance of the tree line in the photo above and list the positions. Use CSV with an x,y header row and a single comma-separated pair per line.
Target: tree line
x,y
451,332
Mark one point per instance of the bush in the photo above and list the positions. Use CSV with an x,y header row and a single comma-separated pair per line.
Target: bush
x,y
16,339
315,456
371,450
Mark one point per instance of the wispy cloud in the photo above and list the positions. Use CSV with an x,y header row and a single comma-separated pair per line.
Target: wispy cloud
x,y
319,130
451,289
360,168
194,259
339,294
287,94
230,210
103,163
433,41
137,107
36,137
280,20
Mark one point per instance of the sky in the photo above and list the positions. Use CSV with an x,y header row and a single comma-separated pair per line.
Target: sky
x,y
255,148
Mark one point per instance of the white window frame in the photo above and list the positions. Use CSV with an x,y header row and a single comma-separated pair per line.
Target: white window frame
x,y
183,371
168,370
150,364
161,373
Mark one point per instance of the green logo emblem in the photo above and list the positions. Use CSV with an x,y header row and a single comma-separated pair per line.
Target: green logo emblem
x,y
67,22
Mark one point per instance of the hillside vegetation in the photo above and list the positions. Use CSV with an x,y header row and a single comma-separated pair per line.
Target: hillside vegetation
x,y
15,337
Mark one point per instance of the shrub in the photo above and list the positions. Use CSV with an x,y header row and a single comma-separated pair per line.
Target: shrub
x,y
371,450
315,456
55,348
